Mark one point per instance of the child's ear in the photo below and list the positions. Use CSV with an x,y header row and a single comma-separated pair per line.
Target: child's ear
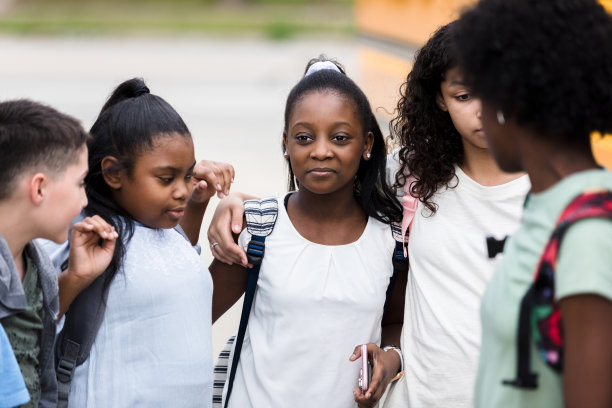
x,y
440,102
369,143
112,177
38,184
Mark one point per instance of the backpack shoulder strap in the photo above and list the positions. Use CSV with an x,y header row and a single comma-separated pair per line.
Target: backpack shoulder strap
x,y
540,315
74,342
220,372
399,258
401,234
260,218
409,207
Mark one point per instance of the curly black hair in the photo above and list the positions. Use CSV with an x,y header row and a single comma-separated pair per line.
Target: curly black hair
x,y
546,64
431,146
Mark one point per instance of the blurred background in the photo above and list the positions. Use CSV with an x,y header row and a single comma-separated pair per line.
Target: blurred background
x,y
225,65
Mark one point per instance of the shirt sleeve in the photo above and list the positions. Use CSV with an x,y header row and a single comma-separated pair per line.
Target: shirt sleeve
x,y
197,246
584,265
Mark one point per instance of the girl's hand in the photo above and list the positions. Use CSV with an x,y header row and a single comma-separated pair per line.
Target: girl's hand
x,y
91,249
385,365
211,177
227,220
92,245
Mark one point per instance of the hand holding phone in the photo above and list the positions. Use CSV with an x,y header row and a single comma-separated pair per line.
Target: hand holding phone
x,y
365,374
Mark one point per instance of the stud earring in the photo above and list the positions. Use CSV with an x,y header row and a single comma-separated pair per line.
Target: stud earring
x,y
286,155
500,117
368,155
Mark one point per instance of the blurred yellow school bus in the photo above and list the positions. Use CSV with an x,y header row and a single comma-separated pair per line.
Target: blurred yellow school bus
x,y
391,30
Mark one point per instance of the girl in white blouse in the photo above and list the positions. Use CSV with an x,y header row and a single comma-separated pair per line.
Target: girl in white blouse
x,y
327,263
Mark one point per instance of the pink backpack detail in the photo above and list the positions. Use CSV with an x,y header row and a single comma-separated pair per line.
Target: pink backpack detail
x,y
409,205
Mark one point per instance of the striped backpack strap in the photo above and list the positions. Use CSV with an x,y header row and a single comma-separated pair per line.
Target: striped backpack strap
x,y
540,316
260,219
220,372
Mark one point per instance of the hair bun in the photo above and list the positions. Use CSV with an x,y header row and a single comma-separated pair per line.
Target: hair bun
x,y
141,90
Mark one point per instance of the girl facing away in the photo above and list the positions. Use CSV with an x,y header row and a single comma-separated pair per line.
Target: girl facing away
x,y
543,70
153,346
327,263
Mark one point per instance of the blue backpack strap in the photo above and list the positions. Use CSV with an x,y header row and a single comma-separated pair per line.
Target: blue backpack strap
x,y
400,262
260,219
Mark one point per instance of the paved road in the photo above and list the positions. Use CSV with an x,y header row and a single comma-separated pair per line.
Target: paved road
x,y
230,92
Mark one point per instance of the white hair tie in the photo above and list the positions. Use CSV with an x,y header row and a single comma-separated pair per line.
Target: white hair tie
x,y
320,65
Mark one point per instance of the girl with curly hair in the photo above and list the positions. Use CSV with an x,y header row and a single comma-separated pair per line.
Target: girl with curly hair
x,y
543,70
463,197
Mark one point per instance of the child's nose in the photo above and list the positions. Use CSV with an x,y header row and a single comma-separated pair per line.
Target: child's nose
x,y
321,149
182,190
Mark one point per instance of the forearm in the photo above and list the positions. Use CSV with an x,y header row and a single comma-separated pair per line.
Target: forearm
x,y
230,283
191,222
391,335
69,288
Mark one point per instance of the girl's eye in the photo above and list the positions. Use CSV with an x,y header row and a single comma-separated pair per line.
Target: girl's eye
x,y
166,179
303,138
189,176
463,97
340,138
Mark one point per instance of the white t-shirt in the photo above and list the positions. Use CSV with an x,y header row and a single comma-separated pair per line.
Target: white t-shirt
x,y
314,303
154,346
449,270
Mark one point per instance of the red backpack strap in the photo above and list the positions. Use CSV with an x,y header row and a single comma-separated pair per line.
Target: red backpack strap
x,y
540,316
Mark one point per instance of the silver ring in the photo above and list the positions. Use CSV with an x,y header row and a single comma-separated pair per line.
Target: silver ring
x,y
214,244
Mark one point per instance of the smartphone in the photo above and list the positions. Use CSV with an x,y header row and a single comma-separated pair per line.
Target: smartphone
x,y
365,374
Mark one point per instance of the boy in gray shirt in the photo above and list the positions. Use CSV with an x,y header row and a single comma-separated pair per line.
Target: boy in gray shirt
x,y
43,163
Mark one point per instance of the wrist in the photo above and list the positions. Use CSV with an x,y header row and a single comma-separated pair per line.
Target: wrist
x,y
199,203
73,279
396,350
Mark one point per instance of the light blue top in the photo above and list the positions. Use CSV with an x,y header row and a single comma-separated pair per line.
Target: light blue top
x,y
154,345
13,391
583,267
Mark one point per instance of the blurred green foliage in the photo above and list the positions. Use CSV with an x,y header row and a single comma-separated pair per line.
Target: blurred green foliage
x,y
277,19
